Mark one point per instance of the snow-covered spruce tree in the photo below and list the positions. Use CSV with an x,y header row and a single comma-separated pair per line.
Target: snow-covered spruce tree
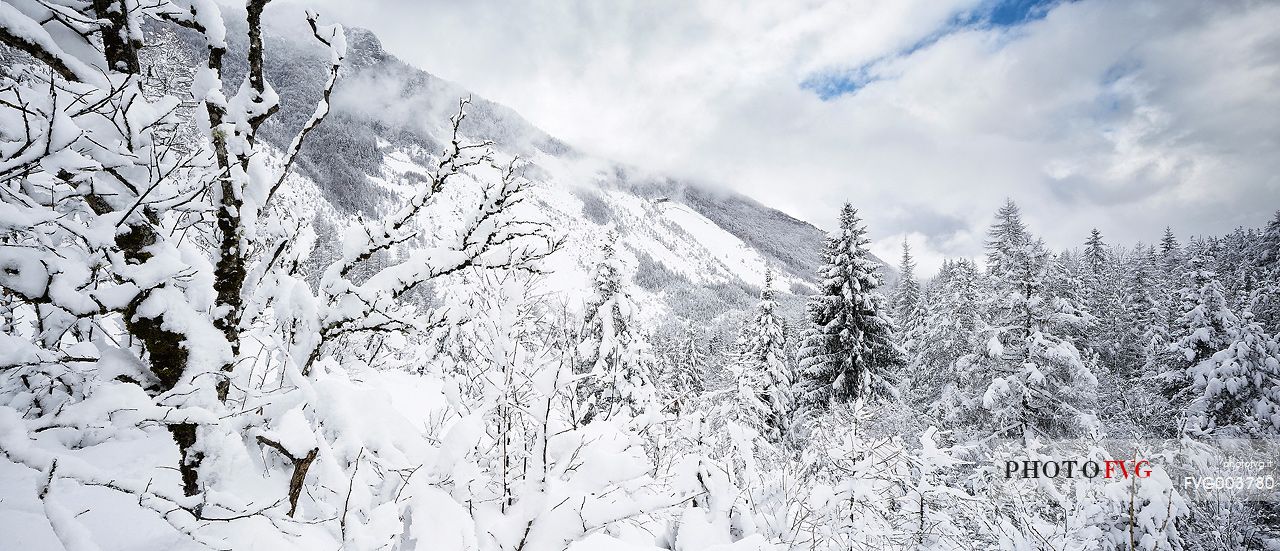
x,y
727,448
1232,265
1172,268
1237,389
1141,311
1156,334
1065,283
765,376
1095,273
1266,250
1095,252
1265,258
908,308
1171,257
952,323
1099,295
1127,400
849,348
613,352
682,358
1028,379
691,369
1202,328
1004,239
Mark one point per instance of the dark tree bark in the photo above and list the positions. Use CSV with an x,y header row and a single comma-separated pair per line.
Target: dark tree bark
x,y
120,50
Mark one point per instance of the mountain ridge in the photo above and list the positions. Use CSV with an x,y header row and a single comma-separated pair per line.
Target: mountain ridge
x,y
384,128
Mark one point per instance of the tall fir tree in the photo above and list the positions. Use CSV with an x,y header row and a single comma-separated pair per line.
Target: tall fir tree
x,y
1006,236
1095,274
1203,327
1169,246
1029,379
765,376
849,347
952,320
1142,330
1136,335
1172,270
612,349
908,312
1064,288
1095,252
1240,277
1266,252
1100,294
690,370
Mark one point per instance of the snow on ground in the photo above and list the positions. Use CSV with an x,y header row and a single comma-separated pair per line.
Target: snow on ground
x,y
399,163
737,257
386,402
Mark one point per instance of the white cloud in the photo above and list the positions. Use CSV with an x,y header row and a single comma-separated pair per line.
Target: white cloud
x,y
1122,115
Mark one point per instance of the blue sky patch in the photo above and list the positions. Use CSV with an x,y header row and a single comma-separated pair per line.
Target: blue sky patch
x,y
834,84
1007,13
991,14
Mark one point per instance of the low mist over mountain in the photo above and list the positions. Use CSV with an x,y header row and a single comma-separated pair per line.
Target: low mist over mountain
x,y
700,249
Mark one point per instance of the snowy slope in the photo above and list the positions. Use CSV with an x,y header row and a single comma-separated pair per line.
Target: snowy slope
x,y
731,252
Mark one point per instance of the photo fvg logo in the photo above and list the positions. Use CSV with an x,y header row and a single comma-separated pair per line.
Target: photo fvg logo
x,y
1110,468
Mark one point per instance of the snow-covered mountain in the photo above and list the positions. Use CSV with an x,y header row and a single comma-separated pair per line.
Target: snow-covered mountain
x,y
698,251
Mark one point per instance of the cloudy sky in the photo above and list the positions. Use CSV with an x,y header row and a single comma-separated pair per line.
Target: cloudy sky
x,y
926,114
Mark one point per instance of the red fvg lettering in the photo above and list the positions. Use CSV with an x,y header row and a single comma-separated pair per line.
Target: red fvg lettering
x,y
1113,463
